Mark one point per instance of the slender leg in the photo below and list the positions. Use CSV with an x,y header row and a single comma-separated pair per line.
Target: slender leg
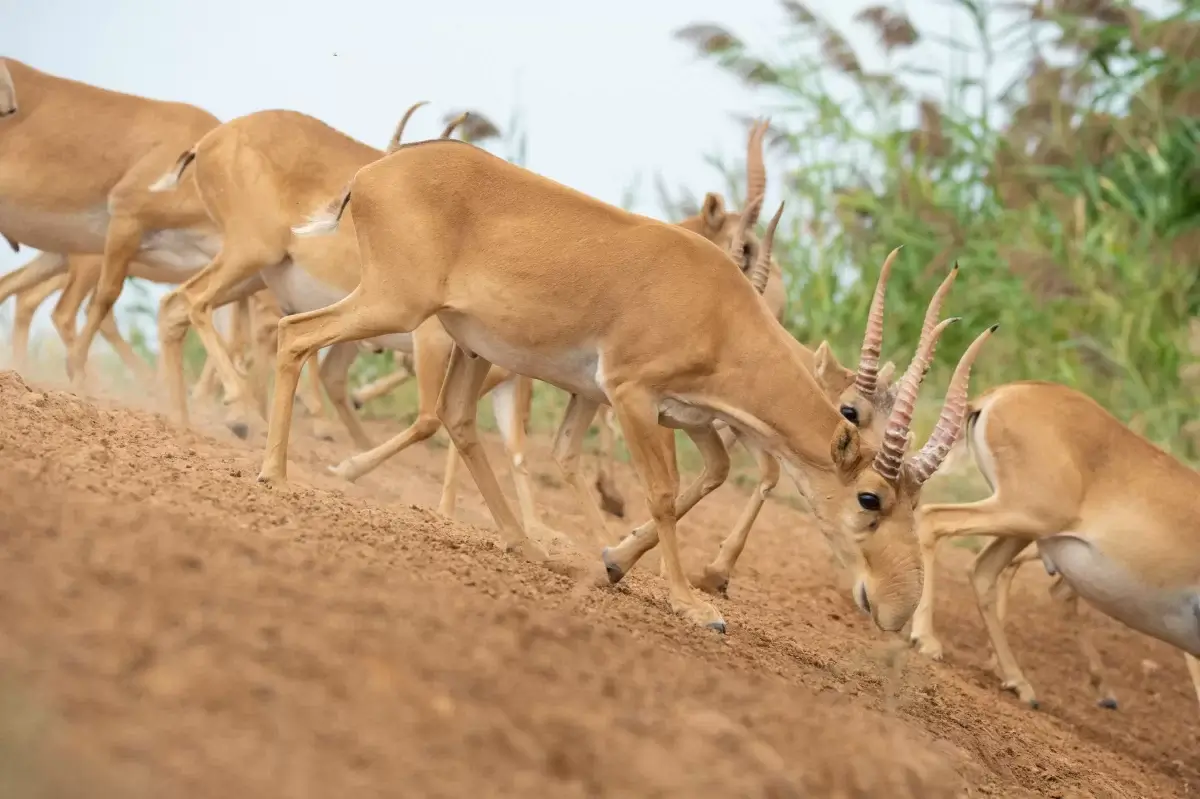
x,y
939,521
449,484
206,385
456,408
121,243
621,558
1069,602
511,401
175,312
611,501
652,450
715,578
985,572
432,355
334,373
568,442
379,387
523,400
352,318
27,305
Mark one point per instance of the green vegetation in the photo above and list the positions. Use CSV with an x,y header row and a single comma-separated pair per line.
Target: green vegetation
x,y
1070,197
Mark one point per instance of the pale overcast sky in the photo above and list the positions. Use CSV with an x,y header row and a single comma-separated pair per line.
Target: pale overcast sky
x,y
604,90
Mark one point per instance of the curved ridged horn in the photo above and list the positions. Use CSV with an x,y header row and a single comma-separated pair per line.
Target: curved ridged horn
x,y
756,171
895,436
867,378
761,270
954,414
454,123
395,142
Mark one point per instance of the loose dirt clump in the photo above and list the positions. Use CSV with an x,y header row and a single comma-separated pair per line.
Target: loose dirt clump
x,y
172,628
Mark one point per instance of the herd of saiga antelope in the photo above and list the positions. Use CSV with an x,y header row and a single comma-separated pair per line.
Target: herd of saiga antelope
x,y
490,276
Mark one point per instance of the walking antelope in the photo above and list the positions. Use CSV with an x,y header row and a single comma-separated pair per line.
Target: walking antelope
x,y
258,251
550,283
1108,511
73,188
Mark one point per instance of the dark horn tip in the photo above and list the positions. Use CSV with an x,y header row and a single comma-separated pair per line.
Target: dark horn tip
x,y
955,267
994,328
954,319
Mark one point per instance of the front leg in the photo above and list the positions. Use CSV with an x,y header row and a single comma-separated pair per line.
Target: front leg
x,y
652,450
715,578
623,556
456,408
123,240
568,444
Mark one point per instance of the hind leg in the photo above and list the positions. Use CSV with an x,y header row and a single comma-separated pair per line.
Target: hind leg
x,y
715,578
432,347
334,373
350,319
27,305
611,501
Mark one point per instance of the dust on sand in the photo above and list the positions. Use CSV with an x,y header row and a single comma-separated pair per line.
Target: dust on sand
x,y
172,628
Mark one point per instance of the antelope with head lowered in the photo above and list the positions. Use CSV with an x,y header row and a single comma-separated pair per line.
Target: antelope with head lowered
x,y
864,398
293,158
82,189
555,285
1108,511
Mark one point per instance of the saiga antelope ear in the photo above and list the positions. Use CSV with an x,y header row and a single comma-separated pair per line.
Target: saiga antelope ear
x,y
845,448
826,365
886,373
713,211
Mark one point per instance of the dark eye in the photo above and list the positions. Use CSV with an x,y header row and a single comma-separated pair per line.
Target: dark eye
x,y
868,501
850,413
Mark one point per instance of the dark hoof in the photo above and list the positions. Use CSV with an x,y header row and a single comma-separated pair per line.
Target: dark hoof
x,y
614,571
358,404
1108,703
719,626
1034,704
240,429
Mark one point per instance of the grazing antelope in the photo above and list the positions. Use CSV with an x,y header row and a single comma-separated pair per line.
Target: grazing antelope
x,y
259,250
615,308
715,224
1111,514
67,187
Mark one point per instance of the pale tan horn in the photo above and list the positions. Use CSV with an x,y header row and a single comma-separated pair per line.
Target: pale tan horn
x,y
954,414
756,170
866,380
454,123
761,270
395,142
895,435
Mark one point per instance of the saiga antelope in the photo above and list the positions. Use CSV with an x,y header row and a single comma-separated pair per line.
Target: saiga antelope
x,y
258,249
514,393
1108,511
555,285
67,187
864,397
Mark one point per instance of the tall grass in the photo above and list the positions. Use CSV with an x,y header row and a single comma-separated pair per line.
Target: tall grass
x,y
1070,197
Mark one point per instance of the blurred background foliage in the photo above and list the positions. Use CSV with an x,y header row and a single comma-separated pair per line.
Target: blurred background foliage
x,y
1070,196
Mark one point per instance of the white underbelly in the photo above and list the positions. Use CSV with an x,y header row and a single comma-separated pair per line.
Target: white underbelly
x,y
297,291
573,370
178,252
55,231
1169,614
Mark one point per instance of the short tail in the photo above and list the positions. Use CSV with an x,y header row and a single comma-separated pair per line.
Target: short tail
x,y
16,246
326,220
171,179
960,455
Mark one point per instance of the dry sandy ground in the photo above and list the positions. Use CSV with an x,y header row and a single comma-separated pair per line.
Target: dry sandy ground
x,y
170,628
